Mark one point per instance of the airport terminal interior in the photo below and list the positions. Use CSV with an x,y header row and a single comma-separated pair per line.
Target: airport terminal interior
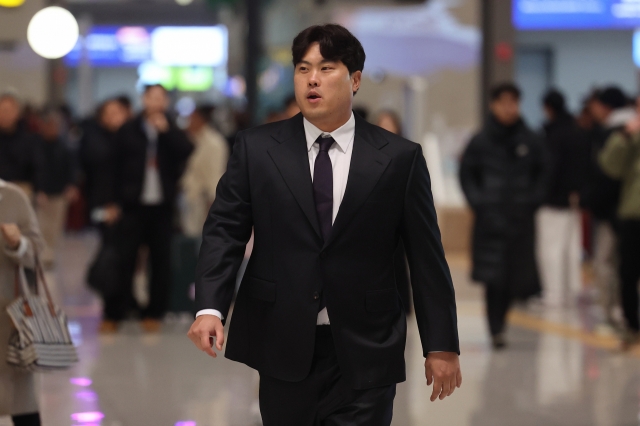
x,y
552,86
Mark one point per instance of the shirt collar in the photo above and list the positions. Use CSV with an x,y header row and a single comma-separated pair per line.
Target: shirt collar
x,y
343,135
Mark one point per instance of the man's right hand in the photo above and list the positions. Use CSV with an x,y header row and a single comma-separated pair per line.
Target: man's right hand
x,y
202,333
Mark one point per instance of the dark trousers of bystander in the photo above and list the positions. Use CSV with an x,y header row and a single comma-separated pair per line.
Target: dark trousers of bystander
x,y
150,225
630,272
498,301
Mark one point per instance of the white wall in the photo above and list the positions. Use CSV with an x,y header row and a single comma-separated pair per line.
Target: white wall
x,y
20,68
582,60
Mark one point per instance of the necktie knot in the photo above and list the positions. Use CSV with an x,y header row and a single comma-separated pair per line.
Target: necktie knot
x,y
325,143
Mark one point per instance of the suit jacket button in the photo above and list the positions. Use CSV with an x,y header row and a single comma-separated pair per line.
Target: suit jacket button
x,y
316,295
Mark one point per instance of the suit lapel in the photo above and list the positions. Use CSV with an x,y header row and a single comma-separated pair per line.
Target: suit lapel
x,y
368,164
292,160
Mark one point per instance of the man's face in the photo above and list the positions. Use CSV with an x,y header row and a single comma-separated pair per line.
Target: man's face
x,y
113,116
324,89
50,128
506,109
155,101
9,114
599,111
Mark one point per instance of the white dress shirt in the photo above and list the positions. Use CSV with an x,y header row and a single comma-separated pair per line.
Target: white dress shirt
x,y
152,185
340,155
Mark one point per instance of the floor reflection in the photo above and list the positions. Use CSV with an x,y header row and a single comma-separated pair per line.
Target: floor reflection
x,y
132,379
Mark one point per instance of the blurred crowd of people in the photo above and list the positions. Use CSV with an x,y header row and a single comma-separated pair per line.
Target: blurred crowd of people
x,y
543,200
128,175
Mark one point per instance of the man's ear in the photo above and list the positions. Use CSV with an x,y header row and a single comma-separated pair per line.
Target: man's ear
x,y
356,80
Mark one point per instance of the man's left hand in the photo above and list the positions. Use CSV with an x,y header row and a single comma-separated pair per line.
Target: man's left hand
x,y
443,370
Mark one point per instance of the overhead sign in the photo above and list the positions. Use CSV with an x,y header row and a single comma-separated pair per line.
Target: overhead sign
x,y
110,46
576,14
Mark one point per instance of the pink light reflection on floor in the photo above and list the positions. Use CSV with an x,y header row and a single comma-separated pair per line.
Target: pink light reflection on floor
x,y
88,396
91,416
81,381
186,423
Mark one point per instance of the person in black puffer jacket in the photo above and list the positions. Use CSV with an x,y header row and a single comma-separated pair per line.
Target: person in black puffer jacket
x,y
504,174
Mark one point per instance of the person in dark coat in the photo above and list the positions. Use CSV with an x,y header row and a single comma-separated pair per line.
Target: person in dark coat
x,y
559,221
21,161
503,174
98,150
98,159
150,159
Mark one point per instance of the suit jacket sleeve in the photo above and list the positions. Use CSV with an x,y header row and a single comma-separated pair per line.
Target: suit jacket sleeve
x,y
433,294
226,233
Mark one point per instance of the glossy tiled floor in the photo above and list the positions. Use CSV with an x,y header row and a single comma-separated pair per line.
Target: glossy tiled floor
x,y
553,373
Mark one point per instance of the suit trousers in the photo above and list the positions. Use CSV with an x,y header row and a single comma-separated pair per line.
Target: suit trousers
x,y
150,225
324,398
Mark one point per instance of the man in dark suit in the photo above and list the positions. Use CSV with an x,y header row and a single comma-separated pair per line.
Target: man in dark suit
x,y
150,158
329,197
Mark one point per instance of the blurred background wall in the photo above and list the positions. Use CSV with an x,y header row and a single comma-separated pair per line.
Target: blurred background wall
x,y
20,68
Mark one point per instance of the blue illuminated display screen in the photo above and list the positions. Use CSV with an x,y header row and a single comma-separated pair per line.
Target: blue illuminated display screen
x,y
576,14
110,46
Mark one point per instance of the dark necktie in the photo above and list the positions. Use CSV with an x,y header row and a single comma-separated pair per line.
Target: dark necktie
x,y
323,186
323,192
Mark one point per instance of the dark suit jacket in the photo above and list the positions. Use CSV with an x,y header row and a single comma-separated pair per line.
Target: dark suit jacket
x,y
173,150
388,198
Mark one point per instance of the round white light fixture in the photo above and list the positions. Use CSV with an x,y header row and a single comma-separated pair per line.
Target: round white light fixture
x,y
53,32
184,2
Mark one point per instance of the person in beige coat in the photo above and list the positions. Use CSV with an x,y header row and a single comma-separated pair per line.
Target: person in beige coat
x,y
205,167
20,239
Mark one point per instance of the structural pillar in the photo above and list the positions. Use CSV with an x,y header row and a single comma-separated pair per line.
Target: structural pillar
x,y
498,46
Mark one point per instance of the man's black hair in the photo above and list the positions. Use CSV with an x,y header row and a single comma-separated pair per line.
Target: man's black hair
x,y
148,87
205,111
124,100
336,44
612,97
502,88
555,101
